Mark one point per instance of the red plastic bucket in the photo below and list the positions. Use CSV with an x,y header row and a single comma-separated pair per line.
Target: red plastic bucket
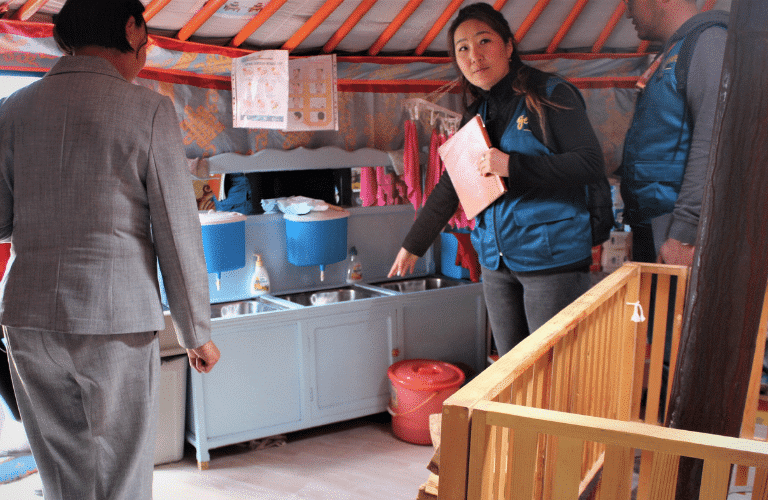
x,y
418,389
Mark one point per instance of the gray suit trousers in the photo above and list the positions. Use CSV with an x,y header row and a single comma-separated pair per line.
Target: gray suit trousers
x,y
89,406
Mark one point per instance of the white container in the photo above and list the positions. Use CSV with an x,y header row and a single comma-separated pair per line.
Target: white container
x,y
259,284
169,442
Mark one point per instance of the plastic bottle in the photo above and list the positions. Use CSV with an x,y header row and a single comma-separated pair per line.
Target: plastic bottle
x,y
354,267
260,280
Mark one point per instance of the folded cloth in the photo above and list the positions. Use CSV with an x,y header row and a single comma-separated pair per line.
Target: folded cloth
x,y
466,256
294,205
17,468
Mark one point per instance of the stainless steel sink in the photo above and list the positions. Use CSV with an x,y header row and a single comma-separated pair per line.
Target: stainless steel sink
x,y
418,284
320,297
242,308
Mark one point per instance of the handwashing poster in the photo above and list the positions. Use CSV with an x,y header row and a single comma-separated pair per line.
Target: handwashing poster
x,y
270,91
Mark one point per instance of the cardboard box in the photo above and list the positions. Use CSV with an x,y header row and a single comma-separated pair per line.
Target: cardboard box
x,y
616,251
172,398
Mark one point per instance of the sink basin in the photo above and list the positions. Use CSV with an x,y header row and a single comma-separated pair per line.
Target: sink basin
x,y
418,284
320,297
241,308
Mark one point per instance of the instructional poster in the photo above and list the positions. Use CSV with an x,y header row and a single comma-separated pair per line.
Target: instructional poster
x,y
312,95
260,90
271,91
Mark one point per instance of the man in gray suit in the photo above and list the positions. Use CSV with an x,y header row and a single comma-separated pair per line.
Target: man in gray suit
x,y
93,193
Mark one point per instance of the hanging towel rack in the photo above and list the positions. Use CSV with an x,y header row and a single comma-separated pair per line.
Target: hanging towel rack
x,y
432,113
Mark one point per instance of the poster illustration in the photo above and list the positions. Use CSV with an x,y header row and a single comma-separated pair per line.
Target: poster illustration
x,y
270,91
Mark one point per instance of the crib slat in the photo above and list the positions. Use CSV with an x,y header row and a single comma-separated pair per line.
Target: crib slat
x,y
524,464
760,486
664,476
480,459
616,481
714,480
568,467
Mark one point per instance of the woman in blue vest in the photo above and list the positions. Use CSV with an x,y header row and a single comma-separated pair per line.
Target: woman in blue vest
x,y
534,243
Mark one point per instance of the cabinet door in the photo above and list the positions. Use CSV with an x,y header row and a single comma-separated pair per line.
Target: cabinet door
x,y
448,325
257,382
351,354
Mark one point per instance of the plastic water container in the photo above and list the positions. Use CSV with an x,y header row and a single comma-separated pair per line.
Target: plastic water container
x,y
317,238
418,389
223,240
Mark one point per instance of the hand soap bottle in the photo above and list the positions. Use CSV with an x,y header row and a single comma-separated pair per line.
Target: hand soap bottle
x,y
354,267
260,280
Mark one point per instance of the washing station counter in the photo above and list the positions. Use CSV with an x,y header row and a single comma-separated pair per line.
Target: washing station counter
x,y
300,360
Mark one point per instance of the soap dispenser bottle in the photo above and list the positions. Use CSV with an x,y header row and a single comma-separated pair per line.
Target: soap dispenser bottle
x,y
260,280
354,267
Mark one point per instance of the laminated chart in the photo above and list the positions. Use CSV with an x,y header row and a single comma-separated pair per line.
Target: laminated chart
x,y
270,91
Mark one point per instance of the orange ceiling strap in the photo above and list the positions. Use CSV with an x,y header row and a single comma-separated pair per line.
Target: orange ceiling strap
x,y
567,25
643,47
347,25
499,4
531,18
312,23
618,13
395,25
209,9
438,26
709,5
28,9
154,7
254,24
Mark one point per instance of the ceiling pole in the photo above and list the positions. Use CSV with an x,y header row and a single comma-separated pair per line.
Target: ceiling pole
x,y
395,25
209,9
255,23
438,26
566,26
726,293
312,23
153,8
347,25
531,18
28,9
618,13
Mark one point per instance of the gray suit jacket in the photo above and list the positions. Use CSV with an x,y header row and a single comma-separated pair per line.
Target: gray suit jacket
x,y
87,162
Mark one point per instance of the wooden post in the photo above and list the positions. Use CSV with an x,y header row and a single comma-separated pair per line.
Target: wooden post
x,y
730,269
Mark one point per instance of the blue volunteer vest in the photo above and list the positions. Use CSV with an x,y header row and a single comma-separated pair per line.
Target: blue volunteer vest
x,y
532,229
656,146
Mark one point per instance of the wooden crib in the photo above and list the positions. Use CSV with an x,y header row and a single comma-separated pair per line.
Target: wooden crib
x,y
573,407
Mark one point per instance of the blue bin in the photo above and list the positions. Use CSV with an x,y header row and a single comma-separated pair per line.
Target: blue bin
x,y
316,238
223,240
449,246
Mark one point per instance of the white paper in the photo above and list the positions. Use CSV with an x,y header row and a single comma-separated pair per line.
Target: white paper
x,y
270,91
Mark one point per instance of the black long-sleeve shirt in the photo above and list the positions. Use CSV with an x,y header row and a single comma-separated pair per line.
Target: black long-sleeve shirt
x,y
577,158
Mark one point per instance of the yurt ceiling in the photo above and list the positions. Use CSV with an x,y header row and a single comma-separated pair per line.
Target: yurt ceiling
x,y
415,28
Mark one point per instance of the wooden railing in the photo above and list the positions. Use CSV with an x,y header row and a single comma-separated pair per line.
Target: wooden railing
x,y
603,357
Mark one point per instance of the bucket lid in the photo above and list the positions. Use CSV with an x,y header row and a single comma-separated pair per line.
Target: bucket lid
x,y
315,215
425,374
214,217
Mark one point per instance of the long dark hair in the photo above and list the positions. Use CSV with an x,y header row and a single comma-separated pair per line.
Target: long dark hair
x,y
524,82
101,23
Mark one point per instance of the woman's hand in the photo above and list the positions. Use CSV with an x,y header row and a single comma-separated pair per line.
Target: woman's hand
x,y
204,357
404,264
494,161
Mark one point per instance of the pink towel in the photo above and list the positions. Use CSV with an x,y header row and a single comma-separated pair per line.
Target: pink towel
x,y
435,166
368,186
411,168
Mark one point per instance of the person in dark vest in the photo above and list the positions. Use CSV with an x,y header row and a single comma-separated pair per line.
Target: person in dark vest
x,y
534,243
666,150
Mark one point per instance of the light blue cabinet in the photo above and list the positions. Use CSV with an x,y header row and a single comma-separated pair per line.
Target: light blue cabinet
x,y
288,370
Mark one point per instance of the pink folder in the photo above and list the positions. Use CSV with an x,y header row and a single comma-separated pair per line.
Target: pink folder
x,y
460,154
